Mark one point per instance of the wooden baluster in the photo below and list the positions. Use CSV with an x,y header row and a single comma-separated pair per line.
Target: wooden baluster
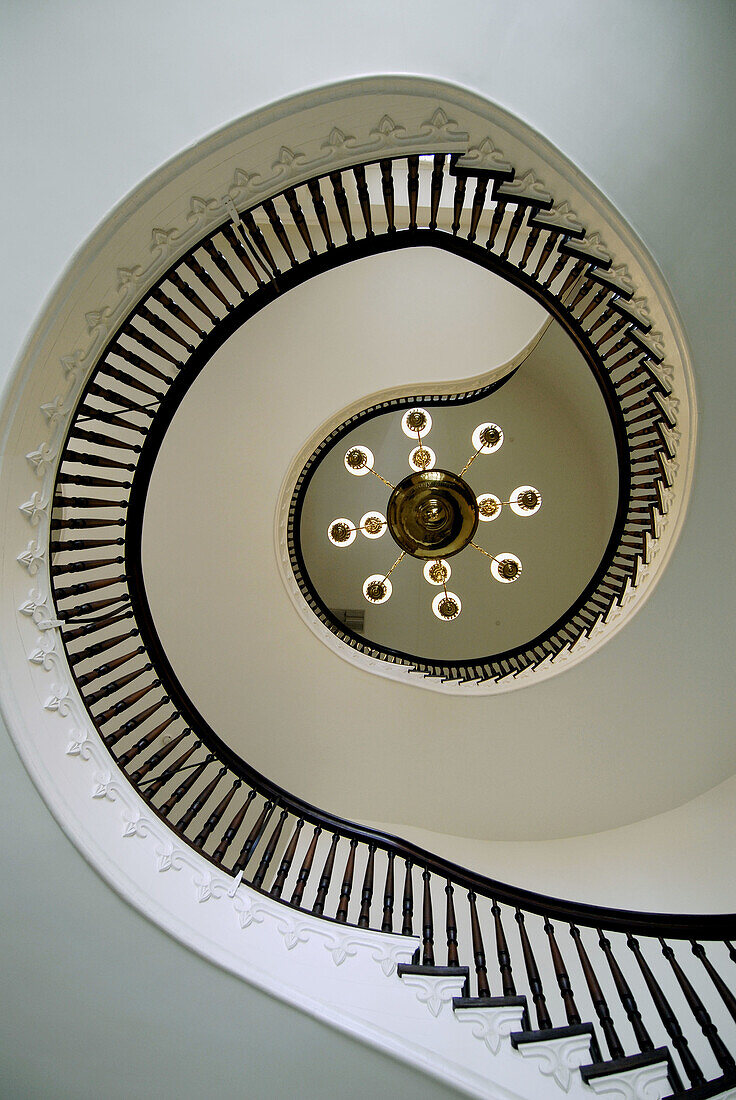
x,y
699,1011
191,295
731,950
153,786
341,201
206,280
99,647
149,344
116,416
427,922
606,316
82,587
619,323
596,995
667,1016
253,838
612,352
92,626
557,267
412,188
574,272
112,738
129,756
479,199
285,865
87,563
218,259
270,848
93,697
529,245
127,379
175,310
157,757
231,832
563,979
301,882
451,926
121,351
125,704
109,666
457,202
407,909
544,255
387,186
90,460
594,301
98,503
117,398
727,996
199,801
280,232
299,220
479,955
321,211
59,546
438,176
347,884
514,226
387,924
366,896
164,328
324,883
364,199
216,816
238,248
502,950
185,786
535,982
105,440
496,220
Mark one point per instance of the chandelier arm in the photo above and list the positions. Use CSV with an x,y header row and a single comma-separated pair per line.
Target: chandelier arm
x,y
482,551
383,479
470,461
400,558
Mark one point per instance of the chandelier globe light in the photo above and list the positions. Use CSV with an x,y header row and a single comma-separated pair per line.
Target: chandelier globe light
x,y
433,514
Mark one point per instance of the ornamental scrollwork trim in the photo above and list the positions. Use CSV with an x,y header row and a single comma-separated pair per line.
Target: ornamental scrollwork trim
x,y
559,1057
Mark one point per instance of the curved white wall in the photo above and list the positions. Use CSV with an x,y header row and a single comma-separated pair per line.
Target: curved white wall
x,y
679,861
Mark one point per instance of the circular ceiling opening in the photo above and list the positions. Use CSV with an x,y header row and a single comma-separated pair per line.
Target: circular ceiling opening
x,y
557,436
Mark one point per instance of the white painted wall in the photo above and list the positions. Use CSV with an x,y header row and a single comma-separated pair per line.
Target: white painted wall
x,y
679,861
640,95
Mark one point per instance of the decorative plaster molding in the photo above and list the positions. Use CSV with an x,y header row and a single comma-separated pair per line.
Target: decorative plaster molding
x,y
492,1024
435,990
643,1083
560,1057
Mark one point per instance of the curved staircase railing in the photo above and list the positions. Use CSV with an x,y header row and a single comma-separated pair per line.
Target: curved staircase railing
x,y
645,980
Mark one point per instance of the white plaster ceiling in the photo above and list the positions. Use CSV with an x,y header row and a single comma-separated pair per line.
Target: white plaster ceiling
x,y
343,739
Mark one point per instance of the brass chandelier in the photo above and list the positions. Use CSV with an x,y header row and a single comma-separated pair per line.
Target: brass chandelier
x,y
433,514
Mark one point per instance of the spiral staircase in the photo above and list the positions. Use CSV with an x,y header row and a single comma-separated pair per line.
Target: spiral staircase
x,y
571,996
